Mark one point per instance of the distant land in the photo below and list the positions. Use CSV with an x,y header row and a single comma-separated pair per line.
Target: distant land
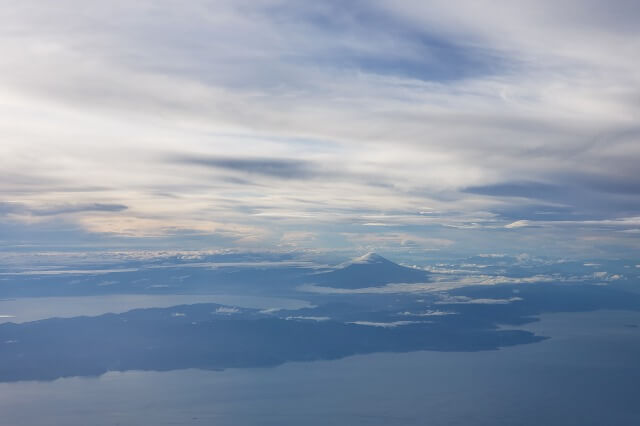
x,y
203,336
368,271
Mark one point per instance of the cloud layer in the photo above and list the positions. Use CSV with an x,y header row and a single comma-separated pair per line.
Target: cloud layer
x,y
404,125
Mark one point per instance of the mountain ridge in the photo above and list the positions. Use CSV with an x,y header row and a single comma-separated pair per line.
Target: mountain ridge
x,y
369,270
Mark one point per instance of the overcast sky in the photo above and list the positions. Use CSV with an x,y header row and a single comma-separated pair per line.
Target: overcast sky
x,y
457,126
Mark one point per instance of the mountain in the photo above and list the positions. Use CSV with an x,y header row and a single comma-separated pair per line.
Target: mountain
x,y
370,270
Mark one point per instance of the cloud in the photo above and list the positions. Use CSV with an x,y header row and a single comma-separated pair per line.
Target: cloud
x,y
536,190
448,282
391,324
307,318
606,277
71,271
6,208
143,227
227,310
396,239
575,195
518,224
77,208
428,313
464,300
273,167
107,283
297,238
268,117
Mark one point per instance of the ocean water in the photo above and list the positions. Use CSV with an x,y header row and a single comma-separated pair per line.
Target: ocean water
x,y
586,374
36,308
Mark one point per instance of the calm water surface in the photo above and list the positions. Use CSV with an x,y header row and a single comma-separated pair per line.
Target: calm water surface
x,y
588,373
36,308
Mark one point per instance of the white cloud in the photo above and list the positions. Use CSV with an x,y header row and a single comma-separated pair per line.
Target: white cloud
x,y
441,284
518,224
605,276
463,300
391,324
427,313
227,310
307,318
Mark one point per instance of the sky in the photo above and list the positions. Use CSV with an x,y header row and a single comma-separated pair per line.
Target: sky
x,y
396,126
